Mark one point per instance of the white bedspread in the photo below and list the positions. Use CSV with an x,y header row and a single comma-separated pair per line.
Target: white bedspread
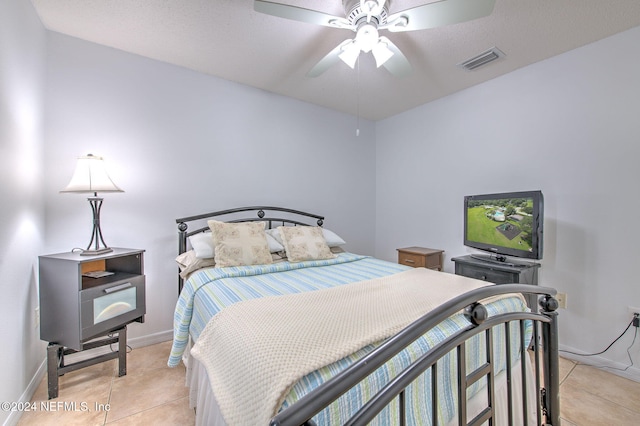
x,y
255,351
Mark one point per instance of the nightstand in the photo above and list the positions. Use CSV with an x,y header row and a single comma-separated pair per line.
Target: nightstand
x,y
421,257
84,298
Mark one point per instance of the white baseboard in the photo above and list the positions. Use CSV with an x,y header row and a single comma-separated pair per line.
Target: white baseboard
x,y
136,342
150,339
617,368
26,396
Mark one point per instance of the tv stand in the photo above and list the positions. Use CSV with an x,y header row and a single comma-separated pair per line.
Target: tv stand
x,y
491,270
499,259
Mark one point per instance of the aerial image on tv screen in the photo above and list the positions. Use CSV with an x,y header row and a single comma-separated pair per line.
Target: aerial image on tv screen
x,y
504,222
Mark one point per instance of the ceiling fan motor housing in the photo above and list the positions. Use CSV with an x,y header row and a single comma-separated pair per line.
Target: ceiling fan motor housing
x,y
356,15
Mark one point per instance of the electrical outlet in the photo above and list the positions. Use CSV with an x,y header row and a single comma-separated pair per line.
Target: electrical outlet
x,y
37,317
632,310
562,300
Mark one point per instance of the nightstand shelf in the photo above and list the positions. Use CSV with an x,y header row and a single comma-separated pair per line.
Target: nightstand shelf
x,y
421,257
80,313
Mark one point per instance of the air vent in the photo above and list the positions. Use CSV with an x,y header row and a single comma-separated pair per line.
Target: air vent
x,y
482,59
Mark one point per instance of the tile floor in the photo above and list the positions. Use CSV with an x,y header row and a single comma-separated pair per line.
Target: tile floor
x,y
152,393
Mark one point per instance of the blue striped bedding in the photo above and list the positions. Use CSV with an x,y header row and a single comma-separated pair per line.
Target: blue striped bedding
x,y
209,290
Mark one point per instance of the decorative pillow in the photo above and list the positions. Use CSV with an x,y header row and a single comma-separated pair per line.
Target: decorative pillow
x,y
239,244
304,243
333,240
202,244
188,262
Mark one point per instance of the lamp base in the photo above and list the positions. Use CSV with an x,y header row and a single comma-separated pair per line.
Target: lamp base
x,y
96,234
96,252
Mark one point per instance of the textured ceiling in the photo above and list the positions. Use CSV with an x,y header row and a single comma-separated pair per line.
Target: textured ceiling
x,y
228,39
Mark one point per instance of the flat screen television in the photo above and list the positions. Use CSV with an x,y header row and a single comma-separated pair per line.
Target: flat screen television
x,y
505,224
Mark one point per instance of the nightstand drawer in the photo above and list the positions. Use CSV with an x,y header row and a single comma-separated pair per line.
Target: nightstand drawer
x,y
410,259
111,305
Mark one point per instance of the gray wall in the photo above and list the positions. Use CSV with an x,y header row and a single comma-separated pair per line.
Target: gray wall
x,y
181,143
22,53
568,126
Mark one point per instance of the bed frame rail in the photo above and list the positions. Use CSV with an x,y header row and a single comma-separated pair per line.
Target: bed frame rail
x,y
543,348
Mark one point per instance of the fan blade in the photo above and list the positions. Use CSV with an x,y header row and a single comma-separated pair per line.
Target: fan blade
x,y
438,14
398,65
299,14
329,60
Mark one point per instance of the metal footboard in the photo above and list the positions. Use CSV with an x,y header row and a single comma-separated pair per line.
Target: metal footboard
x,y
543,348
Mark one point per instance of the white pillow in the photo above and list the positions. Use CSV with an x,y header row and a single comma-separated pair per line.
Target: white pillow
x,y
275,234
274,245
333,240
202,244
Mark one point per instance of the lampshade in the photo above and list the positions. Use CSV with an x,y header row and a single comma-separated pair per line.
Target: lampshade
x,y
91,176
350,54
381,53
367,40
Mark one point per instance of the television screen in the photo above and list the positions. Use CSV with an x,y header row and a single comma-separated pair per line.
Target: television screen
x,y
506,224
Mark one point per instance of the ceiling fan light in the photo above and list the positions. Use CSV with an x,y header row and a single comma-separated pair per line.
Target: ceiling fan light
x,y
367,37
381,53
350,54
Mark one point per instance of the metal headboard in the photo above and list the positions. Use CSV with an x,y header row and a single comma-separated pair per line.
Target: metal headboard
x,y
260,216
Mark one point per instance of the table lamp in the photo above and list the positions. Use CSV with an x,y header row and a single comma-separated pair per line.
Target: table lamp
x,y
91,176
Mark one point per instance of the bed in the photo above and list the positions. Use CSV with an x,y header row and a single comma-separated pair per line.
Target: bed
x,y
249,336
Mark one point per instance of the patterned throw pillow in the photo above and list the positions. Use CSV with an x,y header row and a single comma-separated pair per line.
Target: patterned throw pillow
x,y
304,243
239,244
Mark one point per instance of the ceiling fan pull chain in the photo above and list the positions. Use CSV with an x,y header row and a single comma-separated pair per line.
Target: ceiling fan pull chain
x,y
358,97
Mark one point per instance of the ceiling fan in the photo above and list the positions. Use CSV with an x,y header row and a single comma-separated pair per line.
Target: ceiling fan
x,y
367,17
